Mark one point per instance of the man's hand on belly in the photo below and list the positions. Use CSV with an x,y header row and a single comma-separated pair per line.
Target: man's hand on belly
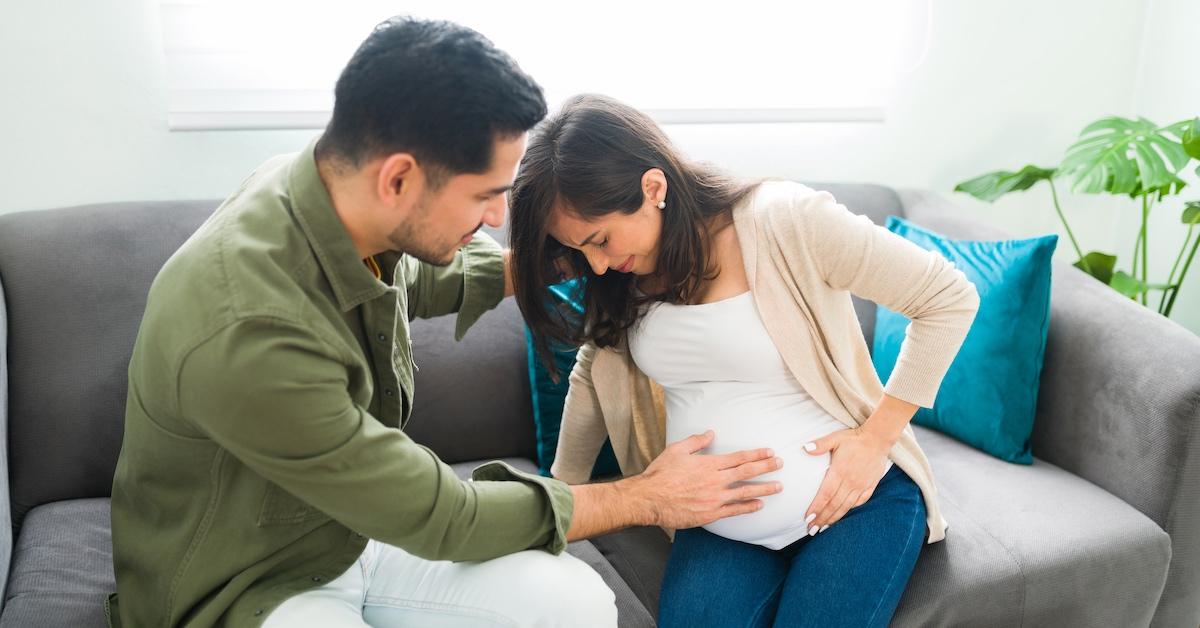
x,y
685,489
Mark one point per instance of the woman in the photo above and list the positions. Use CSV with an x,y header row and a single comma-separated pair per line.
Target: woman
x,y
714,304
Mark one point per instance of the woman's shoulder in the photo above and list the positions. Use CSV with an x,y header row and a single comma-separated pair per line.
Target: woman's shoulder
x,y
780,204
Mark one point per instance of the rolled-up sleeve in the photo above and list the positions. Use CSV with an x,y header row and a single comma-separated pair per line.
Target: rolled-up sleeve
x,y
470,285
854,254
275,396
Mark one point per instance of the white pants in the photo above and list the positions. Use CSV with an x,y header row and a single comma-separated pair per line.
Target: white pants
x,y
388,587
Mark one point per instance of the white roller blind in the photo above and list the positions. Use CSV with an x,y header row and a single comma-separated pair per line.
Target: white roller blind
x,y
272,64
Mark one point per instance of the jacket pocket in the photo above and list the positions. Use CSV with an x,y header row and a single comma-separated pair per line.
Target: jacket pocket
x,y
279,507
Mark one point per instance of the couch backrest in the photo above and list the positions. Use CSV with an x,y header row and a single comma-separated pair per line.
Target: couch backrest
x,y
75,285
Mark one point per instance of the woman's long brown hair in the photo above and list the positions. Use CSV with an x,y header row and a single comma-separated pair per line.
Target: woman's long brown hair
x,y
589,158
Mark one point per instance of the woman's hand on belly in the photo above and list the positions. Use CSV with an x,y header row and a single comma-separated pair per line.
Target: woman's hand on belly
x,y
858,459
685,489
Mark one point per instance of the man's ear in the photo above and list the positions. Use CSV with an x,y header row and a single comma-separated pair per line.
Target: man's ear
x,y
399,179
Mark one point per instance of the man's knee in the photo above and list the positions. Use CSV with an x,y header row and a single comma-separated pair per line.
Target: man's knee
x,y
567,591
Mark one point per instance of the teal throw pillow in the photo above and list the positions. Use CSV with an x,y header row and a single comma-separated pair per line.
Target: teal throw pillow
x,y
549,397
988,398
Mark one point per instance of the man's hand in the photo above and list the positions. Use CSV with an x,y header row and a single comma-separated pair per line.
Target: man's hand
x,y
683,489
680,489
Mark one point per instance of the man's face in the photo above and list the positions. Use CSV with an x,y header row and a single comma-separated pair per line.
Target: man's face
x,y
445,219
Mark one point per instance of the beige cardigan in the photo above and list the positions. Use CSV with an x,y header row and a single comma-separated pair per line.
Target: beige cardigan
x,y
804,255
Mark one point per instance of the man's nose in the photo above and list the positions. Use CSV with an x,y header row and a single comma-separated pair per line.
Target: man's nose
x,y
493,216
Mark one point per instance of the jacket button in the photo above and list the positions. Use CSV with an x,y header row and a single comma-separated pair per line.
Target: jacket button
x,y
382,337
388,392
258,612
316,578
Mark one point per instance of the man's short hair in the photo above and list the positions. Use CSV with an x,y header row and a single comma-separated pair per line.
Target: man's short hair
x,y
435,89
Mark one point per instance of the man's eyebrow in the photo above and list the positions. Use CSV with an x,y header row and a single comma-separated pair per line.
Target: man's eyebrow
x,y
500,190
588,240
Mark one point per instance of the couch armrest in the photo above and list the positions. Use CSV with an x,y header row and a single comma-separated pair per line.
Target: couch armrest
x,y
6,539
1119,404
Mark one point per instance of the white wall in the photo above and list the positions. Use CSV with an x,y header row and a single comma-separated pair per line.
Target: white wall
x,y
82,117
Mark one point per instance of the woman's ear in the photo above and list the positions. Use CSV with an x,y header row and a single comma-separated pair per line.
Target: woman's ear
x,y
654,188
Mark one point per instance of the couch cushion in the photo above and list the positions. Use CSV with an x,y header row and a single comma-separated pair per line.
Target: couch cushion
x,y
1031,545
62,566
480,383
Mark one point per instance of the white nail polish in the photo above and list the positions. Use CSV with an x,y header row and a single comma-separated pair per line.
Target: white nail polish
x,y
822,528
813,531
809,518
810,446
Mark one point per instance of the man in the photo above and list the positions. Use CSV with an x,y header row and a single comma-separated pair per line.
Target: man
x,y
264,477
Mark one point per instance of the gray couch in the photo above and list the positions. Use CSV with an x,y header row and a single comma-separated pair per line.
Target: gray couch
x,y
1102,530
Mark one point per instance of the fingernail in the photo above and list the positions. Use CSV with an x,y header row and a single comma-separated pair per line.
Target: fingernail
x,y
770,452
813,531
822,528
810,446
778,462
808,519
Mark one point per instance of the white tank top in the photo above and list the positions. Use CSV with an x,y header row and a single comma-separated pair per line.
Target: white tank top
x,y
721,371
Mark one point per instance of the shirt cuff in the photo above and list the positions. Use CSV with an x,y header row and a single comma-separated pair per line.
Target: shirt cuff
x,y
483,281
558,496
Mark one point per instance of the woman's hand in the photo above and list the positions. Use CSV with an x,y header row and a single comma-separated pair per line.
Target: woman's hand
x,y
858,458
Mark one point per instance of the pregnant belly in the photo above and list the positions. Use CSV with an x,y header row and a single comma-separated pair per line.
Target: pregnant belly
x,y
781,519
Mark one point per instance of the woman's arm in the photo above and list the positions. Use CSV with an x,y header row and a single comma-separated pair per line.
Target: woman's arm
x,y
582,432
849,252
852,253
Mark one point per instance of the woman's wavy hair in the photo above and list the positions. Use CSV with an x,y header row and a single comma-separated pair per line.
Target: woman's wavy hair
x,y
589,158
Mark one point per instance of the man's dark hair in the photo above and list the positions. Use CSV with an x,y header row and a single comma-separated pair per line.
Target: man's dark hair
x,y
435,89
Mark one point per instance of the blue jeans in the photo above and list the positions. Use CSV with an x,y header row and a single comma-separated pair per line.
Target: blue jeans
x,y
852,574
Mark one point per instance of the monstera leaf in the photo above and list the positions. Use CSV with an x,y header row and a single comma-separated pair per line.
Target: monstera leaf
x,y
1099,265
993,185
1122,156
1191,139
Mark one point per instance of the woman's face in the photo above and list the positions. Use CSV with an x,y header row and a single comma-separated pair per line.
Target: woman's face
x,y
617,241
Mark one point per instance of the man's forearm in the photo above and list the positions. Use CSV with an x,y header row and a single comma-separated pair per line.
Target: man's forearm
x,y
607,507
508,281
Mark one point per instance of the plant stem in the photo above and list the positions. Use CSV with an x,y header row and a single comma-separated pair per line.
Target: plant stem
x,y
1182,274
1171,285
1070,234
1137,247
1145,246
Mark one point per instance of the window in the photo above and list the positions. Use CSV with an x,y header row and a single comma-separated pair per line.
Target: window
x,y
272,64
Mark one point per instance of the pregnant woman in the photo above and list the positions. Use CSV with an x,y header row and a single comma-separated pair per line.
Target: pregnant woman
x,y
722,307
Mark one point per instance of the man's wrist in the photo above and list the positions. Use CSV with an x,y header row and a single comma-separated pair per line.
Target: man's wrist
x,y
641,507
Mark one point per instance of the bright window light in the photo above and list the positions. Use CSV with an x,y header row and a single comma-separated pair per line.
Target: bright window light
x,y
271,64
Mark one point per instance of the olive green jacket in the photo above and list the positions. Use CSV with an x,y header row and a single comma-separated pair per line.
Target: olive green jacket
x,y
268,388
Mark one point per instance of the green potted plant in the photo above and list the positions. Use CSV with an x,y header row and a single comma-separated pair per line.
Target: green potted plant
x,y
1125,157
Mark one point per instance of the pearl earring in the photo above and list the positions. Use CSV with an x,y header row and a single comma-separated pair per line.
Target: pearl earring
x,y
662,204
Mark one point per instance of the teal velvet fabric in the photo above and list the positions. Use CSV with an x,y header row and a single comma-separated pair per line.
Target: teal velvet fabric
x,y
988,398
549,397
